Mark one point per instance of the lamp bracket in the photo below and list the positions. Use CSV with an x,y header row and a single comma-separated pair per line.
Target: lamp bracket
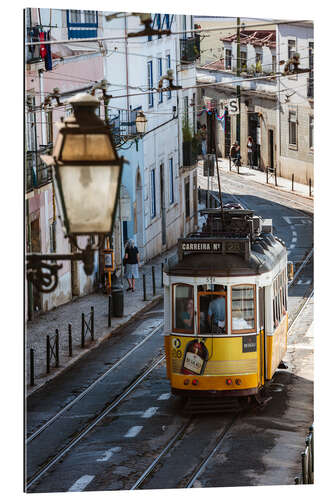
x,y
44,275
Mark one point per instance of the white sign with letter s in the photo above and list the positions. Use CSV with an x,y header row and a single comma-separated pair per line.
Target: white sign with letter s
x,y
233,106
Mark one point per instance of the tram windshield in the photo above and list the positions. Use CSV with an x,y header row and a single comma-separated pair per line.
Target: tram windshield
x,y
243,308
212,309
183,308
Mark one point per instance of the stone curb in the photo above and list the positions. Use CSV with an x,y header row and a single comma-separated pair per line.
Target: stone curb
x,y
32,390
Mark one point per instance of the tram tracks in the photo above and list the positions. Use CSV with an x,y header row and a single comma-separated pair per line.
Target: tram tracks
x,y
164,455
85,392
179,437
88,428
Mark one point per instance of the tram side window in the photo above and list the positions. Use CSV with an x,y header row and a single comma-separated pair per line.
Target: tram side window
x,y
183,308
243,308
212,308
279,297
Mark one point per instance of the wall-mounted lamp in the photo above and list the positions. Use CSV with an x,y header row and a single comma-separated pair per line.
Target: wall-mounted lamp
x,y
86,175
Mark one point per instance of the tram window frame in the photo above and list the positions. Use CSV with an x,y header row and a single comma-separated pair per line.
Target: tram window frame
x,y
245,330
279,297
174,309
223,293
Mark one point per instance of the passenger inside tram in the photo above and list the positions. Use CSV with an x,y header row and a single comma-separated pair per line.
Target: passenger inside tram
x,y
212,311
187,315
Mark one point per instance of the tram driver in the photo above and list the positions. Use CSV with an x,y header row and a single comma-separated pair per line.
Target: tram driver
x,y
216,312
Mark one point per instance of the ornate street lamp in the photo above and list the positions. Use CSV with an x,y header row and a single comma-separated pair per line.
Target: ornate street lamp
x,y
87,176
141,123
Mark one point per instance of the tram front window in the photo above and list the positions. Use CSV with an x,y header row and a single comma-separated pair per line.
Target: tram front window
x,y
212,310
243,308
183,308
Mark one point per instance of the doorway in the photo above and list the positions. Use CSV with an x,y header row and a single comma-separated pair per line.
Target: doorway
x,y
254,132
139,225
163,221
35,248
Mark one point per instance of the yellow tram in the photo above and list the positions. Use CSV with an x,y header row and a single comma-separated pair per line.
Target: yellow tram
x,y
225,300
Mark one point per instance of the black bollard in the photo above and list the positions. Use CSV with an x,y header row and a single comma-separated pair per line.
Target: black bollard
x,y
309,187
57,348
82,330
47,353
275,177
92,322
109,311
162,266
229,163
32,368
153,279
70,341
292,182
144,287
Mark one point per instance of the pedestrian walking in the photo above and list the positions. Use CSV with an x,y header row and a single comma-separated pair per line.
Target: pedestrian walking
x,y
235,153
203,136
132,264
250,151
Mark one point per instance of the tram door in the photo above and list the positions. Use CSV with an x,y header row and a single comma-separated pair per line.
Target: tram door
x,y
262,334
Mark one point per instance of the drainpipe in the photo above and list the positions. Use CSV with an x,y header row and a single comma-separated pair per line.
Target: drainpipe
x,y
30,290
126,60
179,136
43,119
278,58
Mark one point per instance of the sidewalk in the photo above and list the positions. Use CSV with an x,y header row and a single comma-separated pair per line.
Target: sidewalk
x,y
260,177
59,318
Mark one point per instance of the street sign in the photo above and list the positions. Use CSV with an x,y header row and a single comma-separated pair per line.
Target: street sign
x,y
233,106
108,260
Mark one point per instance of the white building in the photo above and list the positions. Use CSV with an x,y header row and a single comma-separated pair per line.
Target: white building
x,y
295,113
163,195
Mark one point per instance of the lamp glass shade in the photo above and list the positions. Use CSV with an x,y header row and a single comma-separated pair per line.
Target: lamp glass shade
x,y
87,147
90,196
141,123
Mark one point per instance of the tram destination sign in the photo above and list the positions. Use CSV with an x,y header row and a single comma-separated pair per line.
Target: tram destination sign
x,y
240,246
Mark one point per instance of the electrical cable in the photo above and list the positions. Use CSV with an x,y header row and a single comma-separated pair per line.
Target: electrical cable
x,y
96,39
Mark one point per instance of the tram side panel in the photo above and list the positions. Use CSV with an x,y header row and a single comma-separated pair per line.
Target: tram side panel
x,y
275,337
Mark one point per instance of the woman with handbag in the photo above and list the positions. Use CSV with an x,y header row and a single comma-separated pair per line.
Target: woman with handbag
x,y
132,264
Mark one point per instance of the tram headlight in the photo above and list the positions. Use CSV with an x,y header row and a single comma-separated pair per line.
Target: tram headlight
x,y
238,381
228,381
195,381
186,381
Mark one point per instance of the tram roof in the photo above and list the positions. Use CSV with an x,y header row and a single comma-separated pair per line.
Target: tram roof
x,y
262,256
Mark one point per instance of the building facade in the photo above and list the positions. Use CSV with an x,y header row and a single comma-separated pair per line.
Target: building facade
x,y
53,74
295,112
156,182
158,196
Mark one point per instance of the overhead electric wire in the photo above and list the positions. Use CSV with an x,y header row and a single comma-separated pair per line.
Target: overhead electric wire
x,y
97,39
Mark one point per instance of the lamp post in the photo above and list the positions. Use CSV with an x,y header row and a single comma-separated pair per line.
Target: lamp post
x,y
87,175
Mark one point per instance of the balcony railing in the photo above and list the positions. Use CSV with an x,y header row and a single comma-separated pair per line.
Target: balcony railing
x,y
123,125
32,52
37,174
310,87
189,49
